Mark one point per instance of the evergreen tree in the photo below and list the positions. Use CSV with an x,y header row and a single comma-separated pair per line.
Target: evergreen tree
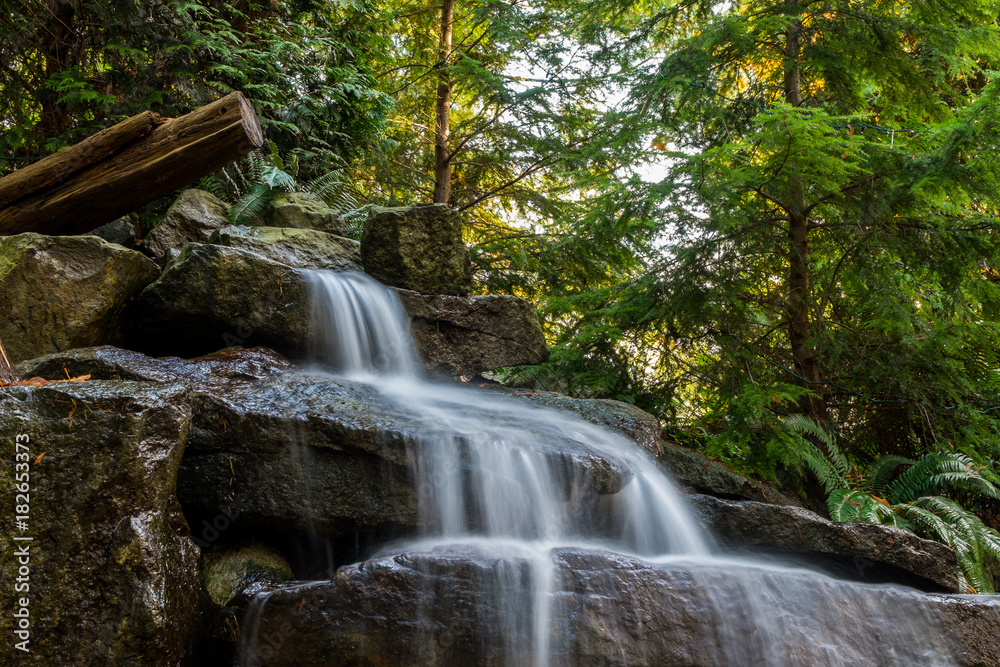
x,y
827,223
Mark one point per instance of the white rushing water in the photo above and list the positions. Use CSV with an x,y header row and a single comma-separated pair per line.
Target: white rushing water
x,y
502,476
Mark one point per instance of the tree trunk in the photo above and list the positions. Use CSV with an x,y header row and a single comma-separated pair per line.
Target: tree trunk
x,y
123,168
58,38
442,115
7,371
800,327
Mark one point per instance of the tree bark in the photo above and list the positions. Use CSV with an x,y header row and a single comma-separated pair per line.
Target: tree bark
x,y
58,167
7,371
116,174
800,326
442,115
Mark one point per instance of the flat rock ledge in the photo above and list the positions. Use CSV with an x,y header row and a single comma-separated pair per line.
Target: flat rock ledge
x,y
434,608
869,547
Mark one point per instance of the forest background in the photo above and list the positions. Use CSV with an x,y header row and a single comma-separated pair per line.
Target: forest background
x,y
771,223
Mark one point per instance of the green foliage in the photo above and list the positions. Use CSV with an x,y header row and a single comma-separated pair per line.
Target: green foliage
x,y
915,498
68,69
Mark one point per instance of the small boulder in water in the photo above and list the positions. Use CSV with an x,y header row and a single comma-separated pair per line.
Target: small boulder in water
x,y
418,248
227,573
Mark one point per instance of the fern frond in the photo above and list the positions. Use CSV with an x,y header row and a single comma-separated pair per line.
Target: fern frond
x,y
882,472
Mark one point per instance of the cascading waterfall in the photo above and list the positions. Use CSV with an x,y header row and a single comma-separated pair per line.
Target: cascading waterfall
x,y
496,475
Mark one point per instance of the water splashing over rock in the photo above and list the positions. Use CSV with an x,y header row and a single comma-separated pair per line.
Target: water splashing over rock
x,y
532,523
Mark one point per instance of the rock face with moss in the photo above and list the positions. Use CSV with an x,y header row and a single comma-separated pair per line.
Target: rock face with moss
x,y
192,218
298,248
214,297
304,211
417,248
113,573
61,292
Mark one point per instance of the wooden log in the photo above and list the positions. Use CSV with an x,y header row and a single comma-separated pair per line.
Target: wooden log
x,y
173,154
7,371
57,167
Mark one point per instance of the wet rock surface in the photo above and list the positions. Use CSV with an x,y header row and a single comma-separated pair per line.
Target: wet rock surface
x,y
417,248
298,248
434,608
113,571
215,296
62,292
749,523
469,335
285,448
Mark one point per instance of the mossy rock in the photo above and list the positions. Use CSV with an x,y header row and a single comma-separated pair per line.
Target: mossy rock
x,y
301,210
299,248
417,248
113,571
63,292
225,574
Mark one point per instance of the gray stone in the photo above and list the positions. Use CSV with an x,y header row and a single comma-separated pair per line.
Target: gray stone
x,y
693,469
114,574
304,211
469,335
465,608
121,231
635,424
748,523
61,292
215,296
298,248
192,218
417,248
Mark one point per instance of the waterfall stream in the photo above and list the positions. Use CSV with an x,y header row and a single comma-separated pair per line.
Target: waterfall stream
x,y
496,475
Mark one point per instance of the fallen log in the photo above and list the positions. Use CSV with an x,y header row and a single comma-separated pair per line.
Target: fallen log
x,y
8,373
126,166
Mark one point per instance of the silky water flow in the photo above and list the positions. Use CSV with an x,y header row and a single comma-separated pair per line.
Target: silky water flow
x,y
516,483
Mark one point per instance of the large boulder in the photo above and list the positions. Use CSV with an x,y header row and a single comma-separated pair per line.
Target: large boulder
x,y
417,248
283,449
298,248
61,292
192,218
110,573
215,296
467,335
474,607
873,552
300,210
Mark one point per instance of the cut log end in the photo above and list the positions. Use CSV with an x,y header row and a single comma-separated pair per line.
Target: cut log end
x,y
251,126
